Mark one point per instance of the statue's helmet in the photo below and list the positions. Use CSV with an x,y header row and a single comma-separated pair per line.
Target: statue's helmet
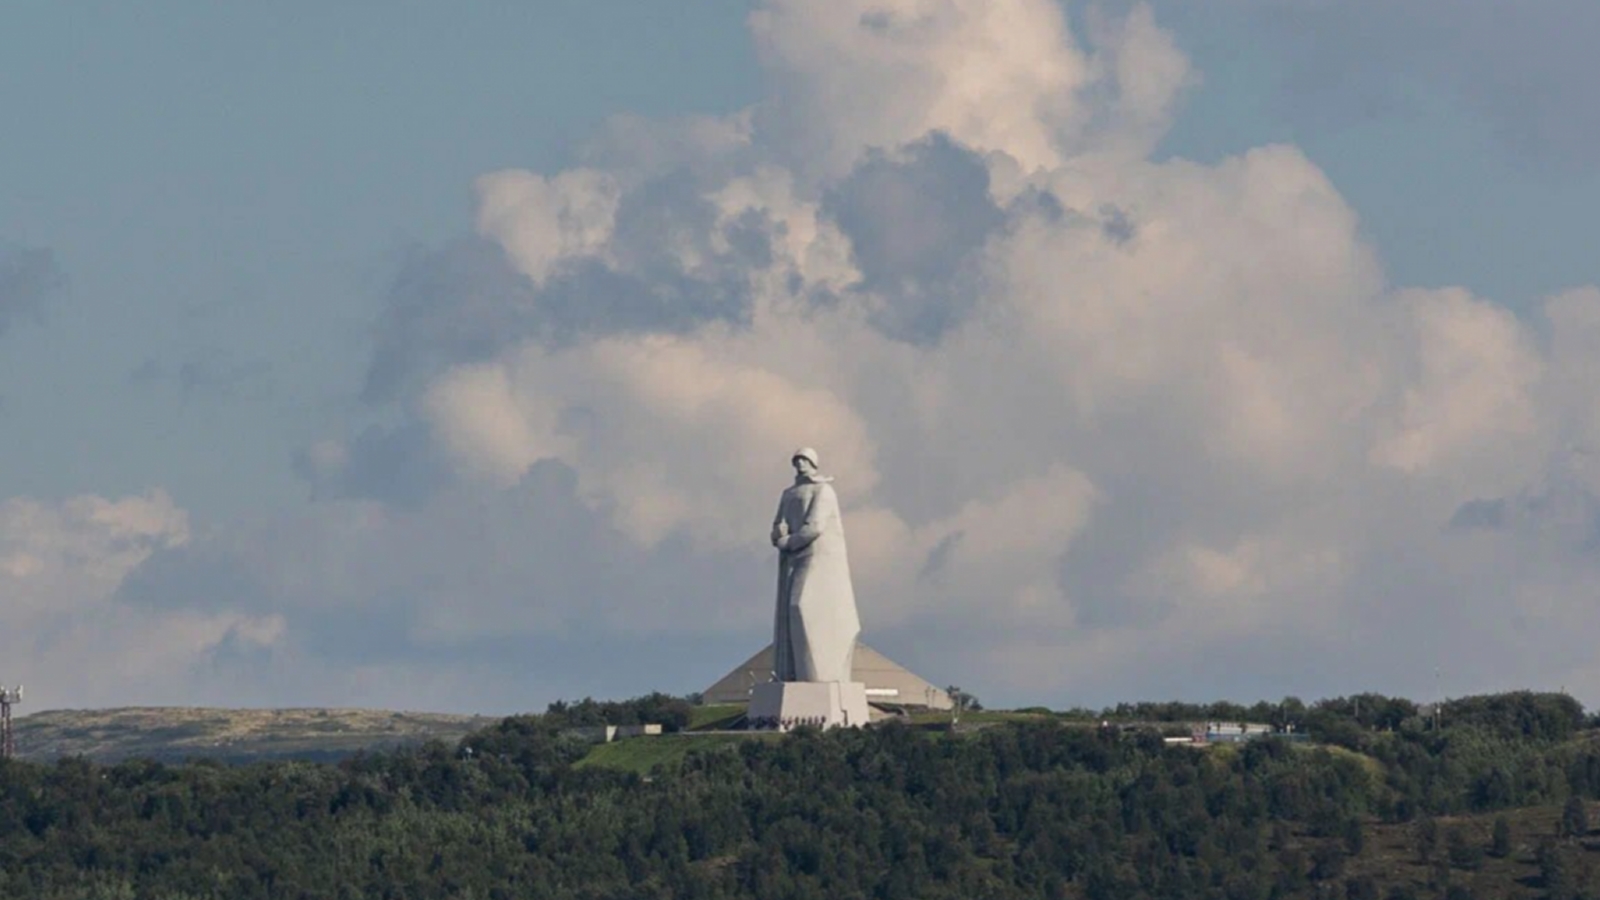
x,y
806,453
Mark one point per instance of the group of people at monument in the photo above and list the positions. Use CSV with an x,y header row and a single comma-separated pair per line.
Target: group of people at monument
x,y
768,723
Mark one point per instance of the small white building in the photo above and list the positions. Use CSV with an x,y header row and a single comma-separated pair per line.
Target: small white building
x,y
605,734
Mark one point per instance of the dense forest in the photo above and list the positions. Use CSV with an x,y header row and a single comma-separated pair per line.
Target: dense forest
x,y
1487,797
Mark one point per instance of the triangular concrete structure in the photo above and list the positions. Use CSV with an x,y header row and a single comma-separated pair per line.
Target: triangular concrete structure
x,y
886,680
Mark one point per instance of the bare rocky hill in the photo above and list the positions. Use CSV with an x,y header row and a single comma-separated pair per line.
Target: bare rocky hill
x,y
231,735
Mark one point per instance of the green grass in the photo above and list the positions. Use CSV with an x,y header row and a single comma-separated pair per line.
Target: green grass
x,y
982,716
643,754
710,718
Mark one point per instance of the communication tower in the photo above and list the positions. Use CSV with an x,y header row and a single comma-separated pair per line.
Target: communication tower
x,y
8,696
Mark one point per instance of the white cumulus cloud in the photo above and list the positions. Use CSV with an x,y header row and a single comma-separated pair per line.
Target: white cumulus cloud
x,y
66,637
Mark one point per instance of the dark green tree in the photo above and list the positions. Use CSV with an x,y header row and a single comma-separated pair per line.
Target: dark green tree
x,y
1354,835
1327,861
1462,851
1500,837
1425,835
1362,887
1574,818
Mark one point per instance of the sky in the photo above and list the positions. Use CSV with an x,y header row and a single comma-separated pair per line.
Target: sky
x,y
449,356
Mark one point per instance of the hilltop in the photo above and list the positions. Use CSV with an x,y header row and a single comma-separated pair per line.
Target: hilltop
x,y
230,735
1483,797
1495,796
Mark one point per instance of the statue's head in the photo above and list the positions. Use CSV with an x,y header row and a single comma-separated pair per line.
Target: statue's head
x,y
805,461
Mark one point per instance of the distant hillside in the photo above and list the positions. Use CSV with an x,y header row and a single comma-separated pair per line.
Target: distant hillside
x,y
232,735
1495,797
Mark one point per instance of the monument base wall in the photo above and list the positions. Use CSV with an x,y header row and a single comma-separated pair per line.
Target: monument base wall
x,y
789,704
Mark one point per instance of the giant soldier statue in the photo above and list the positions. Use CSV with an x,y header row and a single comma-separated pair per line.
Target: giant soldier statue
x,y
815,625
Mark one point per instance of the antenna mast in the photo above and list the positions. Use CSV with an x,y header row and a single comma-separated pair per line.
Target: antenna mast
x,y
8,696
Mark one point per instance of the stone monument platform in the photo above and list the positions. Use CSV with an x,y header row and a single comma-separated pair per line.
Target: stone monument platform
x,y
824,704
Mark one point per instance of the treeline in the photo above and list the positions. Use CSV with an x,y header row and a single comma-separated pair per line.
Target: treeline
x,y
1515,715
672,713
1028,809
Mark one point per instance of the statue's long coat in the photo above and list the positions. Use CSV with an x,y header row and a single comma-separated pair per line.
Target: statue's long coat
x,y
814,635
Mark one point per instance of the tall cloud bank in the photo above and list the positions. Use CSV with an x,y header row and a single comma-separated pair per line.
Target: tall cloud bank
x,y
1104,426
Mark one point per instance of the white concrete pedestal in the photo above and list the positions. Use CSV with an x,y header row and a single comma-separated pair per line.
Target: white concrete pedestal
x,y
788,704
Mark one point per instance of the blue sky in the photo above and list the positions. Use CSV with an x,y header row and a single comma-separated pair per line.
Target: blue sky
x,y
217,223
232,188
